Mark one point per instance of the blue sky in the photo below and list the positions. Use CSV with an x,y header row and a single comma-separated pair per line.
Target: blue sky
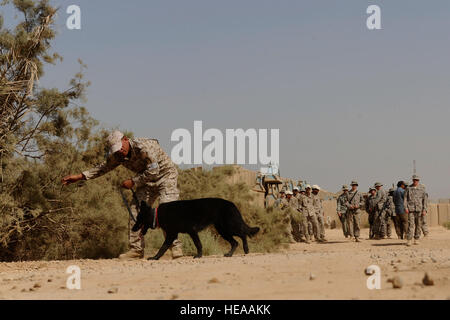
x,y
350,103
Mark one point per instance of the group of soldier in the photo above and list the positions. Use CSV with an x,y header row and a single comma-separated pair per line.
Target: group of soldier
x,y
405,208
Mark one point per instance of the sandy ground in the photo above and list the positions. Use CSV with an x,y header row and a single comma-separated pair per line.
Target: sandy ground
x,y
334,270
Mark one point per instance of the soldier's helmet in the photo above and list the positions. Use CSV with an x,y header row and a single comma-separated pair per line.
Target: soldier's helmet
x,y
289,192
391,190
307,187
372,189
378,184
354,183
415,177
316,187
344,187
282,191
296,189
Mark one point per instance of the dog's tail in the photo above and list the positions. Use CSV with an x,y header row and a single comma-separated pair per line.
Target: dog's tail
x,y
252,231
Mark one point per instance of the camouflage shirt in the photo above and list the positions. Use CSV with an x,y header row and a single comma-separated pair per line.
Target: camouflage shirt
x,y
355,198
341,200
371,204
147,159
380,199
317,202
416,198
306,205
290,203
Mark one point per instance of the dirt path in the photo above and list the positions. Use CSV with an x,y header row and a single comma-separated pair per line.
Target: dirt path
x,y
337,267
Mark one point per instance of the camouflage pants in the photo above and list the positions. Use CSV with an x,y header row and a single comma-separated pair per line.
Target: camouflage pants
x,y
414,225
321,225
379,223
424,224
289,222
354,221
312,219
301,224
387,226
401,225
343,219
166,193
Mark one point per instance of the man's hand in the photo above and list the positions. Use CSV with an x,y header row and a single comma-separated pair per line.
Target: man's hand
x,y
128,184
72,178
424,212
406,211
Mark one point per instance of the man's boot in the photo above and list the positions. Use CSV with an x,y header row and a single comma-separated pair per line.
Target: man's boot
x,y
132,254
416,241
177,249
408,243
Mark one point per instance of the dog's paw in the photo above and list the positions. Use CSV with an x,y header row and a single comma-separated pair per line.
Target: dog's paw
x,y
228,254
198,256
153,258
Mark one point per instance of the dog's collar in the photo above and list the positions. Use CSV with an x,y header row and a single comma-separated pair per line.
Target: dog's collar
x,y
155,218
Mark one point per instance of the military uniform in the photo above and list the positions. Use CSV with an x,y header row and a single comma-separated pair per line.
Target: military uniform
x,y
341,209
380,212
371,206
423,219
307,208
354,203
389,216
156,178
289,206
318,208
416,202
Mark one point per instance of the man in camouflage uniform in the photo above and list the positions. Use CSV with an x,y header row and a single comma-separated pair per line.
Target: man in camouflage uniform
x,y
318,208
354,203
380,211
371,208
416,205
156,177
341,210
307,208
423,219
289,205
389,216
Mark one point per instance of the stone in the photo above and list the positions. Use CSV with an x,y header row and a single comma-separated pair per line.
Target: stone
x,y
427,280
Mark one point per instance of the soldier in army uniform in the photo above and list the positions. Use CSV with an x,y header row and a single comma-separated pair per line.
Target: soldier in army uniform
x,y
307,208
416,205
380,211
156,177
318,208
389,216
290,206
354,203
341,210
371,210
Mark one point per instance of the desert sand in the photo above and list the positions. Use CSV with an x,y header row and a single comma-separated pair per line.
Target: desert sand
x,y
333,270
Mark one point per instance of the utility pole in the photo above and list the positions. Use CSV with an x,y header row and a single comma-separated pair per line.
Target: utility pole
x,y
414,166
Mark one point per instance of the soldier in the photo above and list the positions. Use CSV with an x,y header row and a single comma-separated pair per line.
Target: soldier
x,y
318,208
354,203
290,206
401,217
279,202
379,219
156,177
371,210
390,214
307,208
341,210
415,203
423,219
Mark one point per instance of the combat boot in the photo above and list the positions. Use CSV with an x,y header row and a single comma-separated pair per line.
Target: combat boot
x,y
357,239
416,241
132,254
177,249
408,243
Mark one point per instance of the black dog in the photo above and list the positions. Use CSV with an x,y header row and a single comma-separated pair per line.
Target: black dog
x,y
191,217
